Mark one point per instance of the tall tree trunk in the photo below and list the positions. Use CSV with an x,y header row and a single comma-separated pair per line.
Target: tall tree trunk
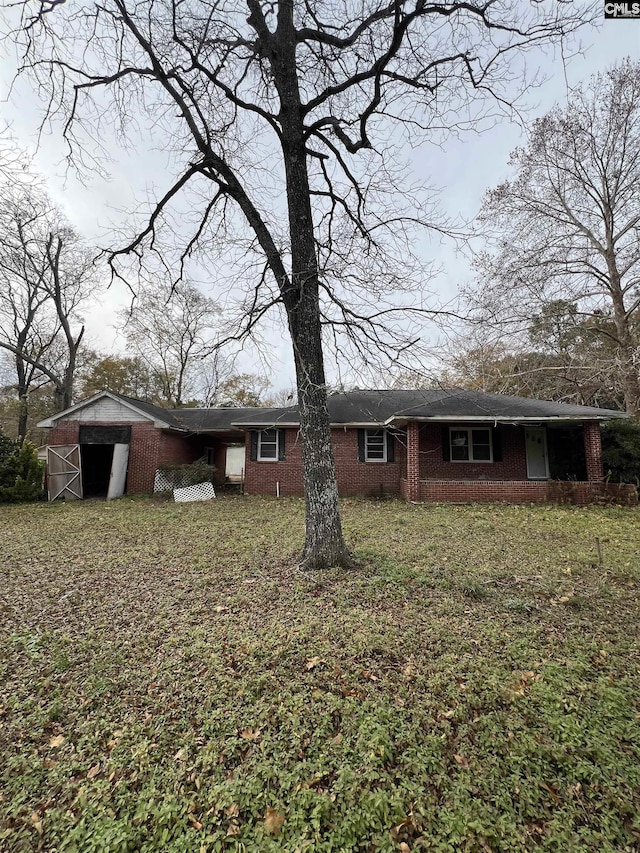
x,y
23,399
324,542
627,350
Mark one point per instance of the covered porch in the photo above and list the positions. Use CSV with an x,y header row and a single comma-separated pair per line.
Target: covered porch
x,y
526,462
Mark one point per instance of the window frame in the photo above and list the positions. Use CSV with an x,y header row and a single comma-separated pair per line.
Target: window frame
x,y
384,444
469,430
276,442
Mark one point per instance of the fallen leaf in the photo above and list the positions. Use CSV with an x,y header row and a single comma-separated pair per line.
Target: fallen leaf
x,y
180,754
462,761
404,847
220,608
233,810
250,734
273,821
313,662
56,741
233,830
37,823
93,772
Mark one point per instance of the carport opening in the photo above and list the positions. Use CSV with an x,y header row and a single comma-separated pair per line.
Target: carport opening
x,y
96,469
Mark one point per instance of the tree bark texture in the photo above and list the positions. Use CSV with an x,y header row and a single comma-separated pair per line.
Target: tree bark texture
x,y
324,542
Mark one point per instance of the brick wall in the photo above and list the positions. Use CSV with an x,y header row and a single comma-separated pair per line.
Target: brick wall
x,y
144,450
143,458
64,433
354,477
593,451
512,467
524,491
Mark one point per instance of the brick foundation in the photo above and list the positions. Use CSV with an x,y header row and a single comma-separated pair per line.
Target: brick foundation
x,y
510,491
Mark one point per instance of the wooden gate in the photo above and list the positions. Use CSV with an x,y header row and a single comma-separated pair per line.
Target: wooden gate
x,y
64,472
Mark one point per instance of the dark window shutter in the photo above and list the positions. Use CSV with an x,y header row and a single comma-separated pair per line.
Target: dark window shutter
x,y
446,449
391,447
254,445
361,457
496,437
281,440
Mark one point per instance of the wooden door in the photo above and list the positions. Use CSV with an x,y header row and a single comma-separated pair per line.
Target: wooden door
x,y
64,472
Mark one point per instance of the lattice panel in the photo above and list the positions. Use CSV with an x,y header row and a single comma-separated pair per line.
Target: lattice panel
x,y
199,492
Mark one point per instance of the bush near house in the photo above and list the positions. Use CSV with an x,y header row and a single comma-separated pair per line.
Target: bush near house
x,y
20,471
178,476
172,682
621,451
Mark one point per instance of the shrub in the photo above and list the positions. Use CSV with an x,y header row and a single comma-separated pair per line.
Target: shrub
x,y
179,476
621,451
20,471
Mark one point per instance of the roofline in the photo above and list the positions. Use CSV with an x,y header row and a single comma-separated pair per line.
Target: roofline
x,y
504,418
402,419
51,422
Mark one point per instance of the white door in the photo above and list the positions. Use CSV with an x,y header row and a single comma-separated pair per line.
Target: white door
x,y
535,439
118,476
234,466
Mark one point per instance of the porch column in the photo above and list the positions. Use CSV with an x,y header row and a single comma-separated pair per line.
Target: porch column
x,y
413,462
593,451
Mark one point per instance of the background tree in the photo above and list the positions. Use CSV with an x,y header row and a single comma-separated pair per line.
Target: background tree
x,y
283,117
171,331
128,375
46,275
567,225
560,356
242,389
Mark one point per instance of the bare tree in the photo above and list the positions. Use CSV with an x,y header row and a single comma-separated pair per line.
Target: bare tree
x,y
171,331
568,224
289,113
45,276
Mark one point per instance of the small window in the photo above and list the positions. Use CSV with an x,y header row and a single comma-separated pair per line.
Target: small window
x,y
470,445
268,445
211,455
375,446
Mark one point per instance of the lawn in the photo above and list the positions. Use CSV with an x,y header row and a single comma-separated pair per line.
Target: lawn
x,y
172,682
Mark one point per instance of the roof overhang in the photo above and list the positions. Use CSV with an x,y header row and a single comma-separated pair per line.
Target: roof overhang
x,y
53,420
400,421
397,420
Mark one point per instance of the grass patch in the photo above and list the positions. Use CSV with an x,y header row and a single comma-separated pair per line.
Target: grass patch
x,y
171,681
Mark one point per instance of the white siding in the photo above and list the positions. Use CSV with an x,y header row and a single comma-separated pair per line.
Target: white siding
x,y
106,410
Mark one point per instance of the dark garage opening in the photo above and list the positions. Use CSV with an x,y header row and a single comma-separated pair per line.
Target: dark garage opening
x,y
96,469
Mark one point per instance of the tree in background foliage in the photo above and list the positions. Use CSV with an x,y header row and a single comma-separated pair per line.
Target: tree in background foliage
x,y
621,451
283,119
172,331
46,277
242,390
128,375
567,225
20,471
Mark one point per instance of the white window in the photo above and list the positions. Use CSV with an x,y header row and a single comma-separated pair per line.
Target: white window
x,y
470,445
375,445
268,445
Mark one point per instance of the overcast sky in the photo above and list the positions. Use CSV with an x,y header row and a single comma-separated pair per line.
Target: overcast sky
x,y
463,169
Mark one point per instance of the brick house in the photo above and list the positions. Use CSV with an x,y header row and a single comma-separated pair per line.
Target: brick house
x,y
424,445
439,445
154,436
